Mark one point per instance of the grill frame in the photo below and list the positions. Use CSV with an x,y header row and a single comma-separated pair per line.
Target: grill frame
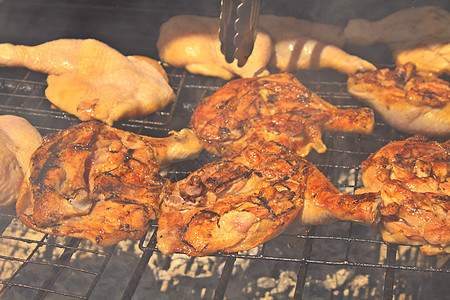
x,y
22,94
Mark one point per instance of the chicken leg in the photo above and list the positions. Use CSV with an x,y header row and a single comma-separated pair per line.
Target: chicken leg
x,y
413,179
100,183
272,108
92,81
236,203
294,50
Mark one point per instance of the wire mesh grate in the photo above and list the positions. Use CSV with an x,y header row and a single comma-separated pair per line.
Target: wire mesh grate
x,y
342,260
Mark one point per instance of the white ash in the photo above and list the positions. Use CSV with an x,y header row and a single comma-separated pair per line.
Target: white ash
x,y
266,283
285,281
339,278
357,283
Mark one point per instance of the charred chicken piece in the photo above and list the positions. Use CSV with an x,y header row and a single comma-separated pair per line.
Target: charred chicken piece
x,y
407,101
413,179
236,203
272,108
93,81
99,183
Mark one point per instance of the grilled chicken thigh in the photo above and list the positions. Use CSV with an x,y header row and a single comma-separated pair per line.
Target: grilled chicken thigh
x,y
192,42
271,108
92,81
18,140
96,182
407,101
413,179
236,203
295,50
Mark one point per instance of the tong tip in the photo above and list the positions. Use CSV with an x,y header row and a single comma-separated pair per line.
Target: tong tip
x,y
237,30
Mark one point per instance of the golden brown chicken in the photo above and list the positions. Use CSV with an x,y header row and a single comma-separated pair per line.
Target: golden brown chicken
x,y
18,140
272,108
192,42
99,183
430,58
93,81
236,203
296,49
413,177
407,101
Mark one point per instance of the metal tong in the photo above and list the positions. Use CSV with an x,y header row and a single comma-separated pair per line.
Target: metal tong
x,y
237,31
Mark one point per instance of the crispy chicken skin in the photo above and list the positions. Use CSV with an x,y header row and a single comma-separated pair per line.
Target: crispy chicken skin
x,y
431,58
407,101
325,204
99,183
18,140
93,81
413,178
192,42
236,203
272,108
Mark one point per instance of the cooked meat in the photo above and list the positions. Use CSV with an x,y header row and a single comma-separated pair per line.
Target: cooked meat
x,y
96,182
296,49
329,34
192,42
429,58
412,25
413,179
296,52
407,101
92,81
20,137
271,108
11,175
18,140
236,203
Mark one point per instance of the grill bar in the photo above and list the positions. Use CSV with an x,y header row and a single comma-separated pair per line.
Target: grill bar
x,y
99,273
224,278
386,271
7,283
390,272
56,271
140,268
303,269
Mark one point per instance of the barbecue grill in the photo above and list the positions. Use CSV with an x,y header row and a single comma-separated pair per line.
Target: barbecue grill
x,y
337,261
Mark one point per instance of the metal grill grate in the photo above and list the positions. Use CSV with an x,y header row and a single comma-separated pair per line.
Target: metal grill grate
x,y
338,261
